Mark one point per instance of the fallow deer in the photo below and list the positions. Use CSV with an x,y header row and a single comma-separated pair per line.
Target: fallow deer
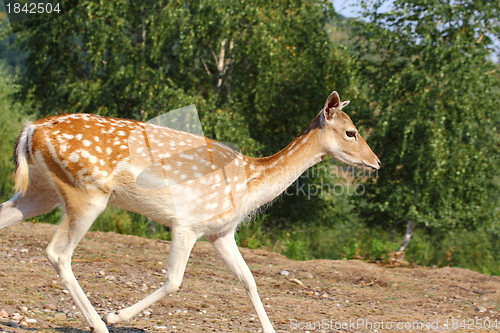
x,y
195,186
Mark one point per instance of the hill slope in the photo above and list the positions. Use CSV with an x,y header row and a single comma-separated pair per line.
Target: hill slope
x,y
116,270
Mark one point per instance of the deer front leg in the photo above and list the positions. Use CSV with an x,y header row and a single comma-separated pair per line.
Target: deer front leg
x,y
182,242
226,246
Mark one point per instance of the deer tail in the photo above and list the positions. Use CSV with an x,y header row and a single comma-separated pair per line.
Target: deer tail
x,y
21,155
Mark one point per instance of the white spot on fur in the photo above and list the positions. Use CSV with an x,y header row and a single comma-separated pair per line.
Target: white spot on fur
x,y
92,159
79,136
85,153
108,150
86,143
73,157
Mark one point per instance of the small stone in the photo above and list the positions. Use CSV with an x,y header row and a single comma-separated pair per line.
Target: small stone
x,y
297,282
16,316
102,273
110,278
30,321
325,295
60,316
147,313
64,291
481,309
309,276
3,314
50,307
160,327
23,309
12,324
285,273
24,250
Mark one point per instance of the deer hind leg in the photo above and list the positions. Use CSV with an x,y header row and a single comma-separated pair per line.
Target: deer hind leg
x,y
78,217
183,241
225,245
40,198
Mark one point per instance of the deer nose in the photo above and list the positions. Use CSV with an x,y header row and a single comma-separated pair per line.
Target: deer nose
x,y
379,163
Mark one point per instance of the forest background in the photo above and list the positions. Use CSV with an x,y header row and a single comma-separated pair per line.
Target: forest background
x,y
422,77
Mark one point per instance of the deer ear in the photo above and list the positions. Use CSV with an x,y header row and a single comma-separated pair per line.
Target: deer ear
x,y
344,104
332,105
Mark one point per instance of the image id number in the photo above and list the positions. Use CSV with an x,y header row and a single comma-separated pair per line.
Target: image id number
x,y
32,8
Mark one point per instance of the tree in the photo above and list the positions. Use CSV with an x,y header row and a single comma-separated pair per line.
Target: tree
x,y
244,64
8,56
435,90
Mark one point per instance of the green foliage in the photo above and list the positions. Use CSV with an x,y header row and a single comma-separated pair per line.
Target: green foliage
x,y
434,90
380,249
296,249
9,56
252,234
477,250
11,116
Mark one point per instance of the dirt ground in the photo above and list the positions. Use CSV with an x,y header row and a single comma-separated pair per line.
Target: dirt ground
x,y
316,296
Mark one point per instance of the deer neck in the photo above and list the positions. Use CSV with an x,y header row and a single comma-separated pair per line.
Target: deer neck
x,y
268,177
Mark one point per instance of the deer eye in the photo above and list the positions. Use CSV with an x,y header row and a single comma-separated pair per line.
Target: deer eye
x,y
350,134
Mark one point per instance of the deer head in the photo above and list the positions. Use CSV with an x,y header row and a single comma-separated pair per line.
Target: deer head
x,y
342,140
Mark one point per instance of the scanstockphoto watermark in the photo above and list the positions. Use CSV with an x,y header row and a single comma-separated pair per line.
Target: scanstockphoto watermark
x,y
357,324
334,180
452,324
335,171
300,187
